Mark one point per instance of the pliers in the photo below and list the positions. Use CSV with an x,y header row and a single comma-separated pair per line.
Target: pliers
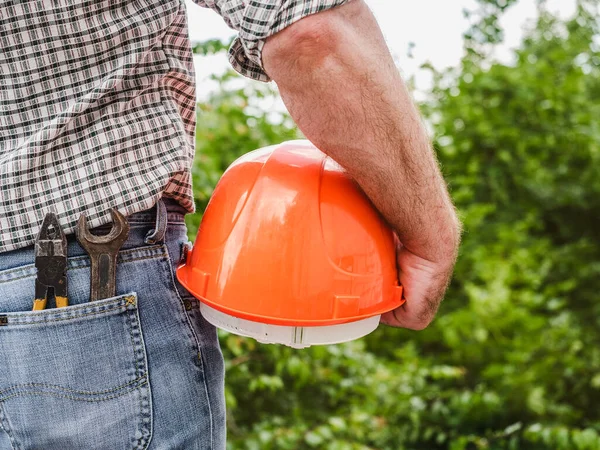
x,y
51,264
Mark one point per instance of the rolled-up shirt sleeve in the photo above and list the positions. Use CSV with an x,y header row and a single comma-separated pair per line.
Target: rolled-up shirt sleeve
x,y
255,21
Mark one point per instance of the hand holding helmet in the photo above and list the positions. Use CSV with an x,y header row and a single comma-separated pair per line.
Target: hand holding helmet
x,y
290,250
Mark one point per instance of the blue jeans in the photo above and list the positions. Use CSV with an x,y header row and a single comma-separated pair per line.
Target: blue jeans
x,y
142,370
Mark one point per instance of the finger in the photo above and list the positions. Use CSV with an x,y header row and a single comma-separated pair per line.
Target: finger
x,y
406,317
424,287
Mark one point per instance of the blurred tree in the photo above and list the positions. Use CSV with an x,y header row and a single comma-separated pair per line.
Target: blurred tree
x,y
513,360
237,118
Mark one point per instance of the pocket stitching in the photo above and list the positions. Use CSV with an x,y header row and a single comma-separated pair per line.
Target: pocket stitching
x,y
68,397
126,306
125,309
133,324
56,386
58,319
74,263
140,381
146,423
31,275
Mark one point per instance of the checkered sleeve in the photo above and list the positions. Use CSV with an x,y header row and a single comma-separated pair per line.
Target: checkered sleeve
x,y
255,21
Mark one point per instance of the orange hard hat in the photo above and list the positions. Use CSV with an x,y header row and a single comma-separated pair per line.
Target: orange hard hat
x,y
289,240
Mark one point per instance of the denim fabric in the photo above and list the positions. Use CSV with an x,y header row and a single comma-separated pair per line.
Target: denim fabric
x,y
142,370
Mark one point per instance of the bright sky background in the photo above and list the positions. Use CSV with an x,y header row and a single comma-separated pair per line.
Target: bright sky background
x,y
434,26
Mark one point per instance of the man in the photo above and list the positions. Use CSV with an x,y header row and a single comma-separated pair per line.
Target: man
x,y
98,112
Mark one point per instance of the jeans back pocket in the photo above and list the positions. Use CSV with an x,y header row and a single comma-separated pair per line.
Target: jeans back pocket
x,y
61,369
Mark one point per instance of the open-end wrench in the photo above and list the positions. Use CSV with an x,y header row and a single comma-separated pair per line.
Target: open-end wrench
x,y
103,251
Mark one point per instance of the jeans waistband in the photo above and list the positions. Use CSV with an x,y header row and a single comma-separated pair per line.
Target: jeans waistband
x,y
147,227
175,213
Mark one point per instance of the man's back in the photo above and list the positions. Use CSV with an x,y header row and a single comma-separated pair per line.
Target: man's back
x,y
98,111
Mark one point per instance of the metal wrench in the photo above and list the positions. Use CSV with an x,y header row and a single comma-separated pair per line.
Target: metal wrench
x,y
103,251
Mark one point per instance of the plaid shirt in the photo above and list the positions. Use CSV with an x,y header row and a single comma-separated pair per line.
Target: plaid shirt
x,y
97,103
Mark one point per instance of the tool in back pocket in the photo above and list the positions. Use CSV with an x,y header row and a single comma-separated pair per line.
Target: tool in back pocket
x,y
51,264
103,251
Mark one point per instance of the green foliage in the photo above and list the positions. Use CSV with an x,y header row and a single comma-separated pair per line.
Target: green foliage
x,y
513,360
235,120
210,47
485,27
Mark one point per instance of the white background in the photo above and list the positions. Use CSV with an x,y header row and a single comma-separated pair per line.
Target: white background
x,y
434,26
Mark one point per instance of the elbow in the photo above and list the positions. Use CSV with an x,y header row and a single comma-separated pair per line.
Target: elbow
x,y
305,45
453,235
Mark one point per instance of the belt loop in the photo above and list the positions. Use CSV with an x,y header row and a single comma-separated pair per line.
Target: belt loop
x,y
158,234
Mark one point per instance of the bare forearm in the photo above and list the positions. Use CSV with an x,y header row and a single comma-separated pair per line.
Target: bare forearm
x,y
344,92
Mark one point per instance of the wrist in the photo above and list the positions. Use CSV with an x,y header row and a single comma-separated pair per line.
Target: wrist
x,y
436,244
